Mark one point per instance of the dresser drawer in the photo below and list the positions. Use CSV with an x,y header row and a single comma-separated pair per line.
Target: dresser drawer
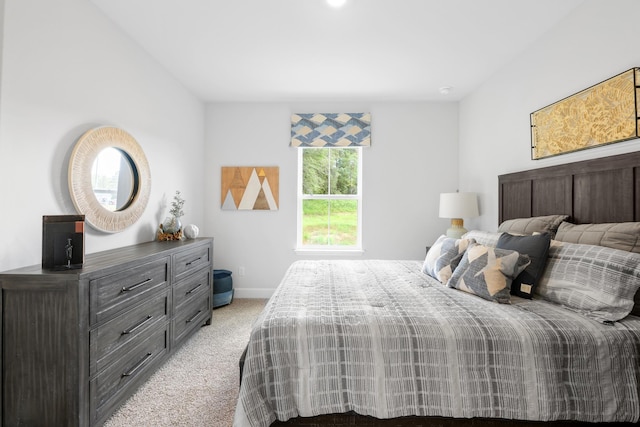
x,y
111,340
119,291
192,287
111,386
191,316
186,262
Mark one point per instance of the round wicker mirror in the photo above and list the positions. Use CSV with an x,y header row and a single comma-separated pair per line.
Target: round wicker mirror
x,y
109,179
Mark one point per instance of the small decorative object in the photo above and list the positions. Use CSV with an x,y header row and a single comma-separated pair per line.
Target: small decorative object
x,y
191,231
62,242
171,228
602,114
172,224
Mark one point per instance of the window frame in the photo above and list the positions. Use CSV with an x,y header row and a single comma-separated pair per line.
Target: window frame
x,y
300,197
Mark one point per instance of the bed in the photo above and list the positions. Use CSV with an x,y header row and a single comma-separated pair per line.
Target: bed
x,y
381,343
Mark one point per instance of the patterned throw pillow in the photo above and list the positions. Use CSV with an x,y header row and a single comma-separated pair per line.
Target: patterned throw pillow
x,y
443,257
537,248
488,272
596,281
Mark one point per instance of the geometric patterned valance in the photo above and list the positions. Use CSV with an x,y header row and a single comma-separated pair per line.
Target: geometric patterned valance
x,y
331,130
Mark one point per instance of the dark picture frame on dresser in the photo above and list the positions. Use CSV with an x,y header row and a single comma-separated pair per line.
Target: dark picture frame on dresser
x,y
76,344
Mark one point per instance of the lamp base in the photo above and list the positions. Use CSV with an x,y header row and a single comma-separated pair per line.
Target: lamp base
x,y
457,230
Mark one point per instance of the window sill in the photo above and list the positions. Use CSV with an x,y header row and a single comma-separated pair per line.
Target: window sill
x,y
328,252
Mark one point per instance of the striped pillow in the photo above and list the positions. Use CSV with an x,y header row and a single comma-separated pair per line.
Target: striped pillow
x,y
596,281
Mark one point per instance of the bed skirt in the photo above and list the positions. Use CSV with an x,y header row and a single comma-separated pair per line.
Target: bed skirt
x,y
354,420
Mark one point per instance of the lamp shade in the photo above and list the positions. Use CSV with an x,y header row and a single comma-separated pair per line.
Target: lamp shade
x,y
458,205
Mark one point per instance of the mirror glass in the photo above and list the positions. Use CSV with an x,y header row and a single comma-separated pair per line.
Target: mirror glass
x,y
112,179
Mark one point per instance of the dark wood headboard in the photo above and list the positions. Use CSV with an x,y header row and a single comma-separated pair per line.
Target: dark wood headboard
x,y
591,191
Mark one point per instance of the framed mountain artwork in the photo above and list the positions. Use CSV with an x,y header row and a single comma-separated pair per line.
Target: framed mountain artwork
x,y
250,188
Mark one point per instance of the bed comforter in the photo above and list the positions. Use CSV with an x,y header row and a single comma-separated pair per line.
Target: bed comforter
x,y
383,339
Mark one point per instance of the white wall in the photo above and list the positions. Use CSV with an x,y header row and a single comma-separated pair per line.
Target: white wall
x,y
411,160
594,43
65,69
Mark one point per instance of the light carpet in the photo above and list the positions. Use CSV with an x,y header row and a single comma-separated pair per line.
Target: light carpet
x,y
198,385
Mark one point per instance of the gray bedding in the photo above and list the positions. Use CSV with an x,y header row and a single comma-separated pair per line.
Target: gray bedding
x,y
381,338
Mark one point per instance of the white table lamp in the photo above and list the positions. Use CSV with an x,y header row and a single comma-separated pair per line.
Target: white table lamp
x,y
458,206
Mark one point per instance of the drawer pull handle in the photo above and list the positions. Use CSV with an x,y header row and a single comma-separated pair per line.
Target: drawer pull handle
x,y
138,326
194,289
195,316
137,366
136,286
195,260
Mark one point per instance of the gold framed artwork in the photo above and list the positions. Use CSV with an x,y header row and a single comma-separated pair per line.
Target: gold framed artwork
x,y
601,114
250,188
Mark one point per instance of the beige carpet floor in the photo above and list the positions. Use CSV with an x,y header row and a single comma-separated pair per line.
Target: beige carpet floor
x,y
198,385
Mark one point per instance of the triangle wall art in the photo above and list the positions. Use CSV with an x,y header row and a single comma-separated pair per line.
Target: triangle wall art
x,y
253,188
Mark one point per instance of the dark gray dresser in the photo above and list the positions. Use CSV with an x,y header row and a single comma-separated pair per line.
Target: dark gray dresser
x,y
76,344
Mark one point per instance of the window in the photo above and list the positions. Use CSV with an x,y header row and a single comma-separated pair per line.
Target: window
x,y
330,198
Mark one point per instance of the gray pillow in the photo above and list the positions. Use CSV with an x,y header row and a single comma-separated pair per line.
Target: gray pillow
x,y
538,224
488,272
537,248
596,281
618,235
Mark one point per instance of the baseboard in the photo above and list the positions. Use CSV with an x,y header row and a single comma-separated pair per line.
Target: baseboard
x,y
252,293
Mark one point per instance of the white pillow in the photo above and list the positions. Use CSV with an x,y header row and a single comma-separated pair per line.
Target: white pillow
x,y
486,238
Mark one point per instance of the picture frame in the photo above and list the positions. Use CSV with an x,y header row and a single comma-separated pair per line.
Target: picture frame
x,y
254,188
62,242
602,114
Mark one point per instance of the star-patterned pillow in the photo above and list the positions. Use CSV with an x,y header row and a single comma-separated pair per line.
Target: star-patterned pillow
x,y
488,272
443,257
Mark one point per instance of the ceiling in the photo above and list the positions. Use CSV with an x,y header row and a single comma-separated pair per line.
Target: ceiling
x,y
304,50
